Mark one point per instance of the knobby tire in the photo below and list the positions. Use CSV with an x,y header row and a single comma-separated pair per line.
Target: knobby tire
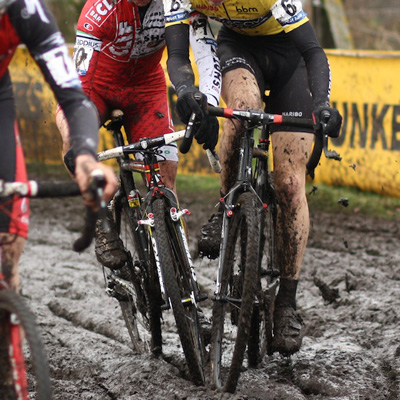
x,y
178,284
241,247
12,303
261,331
141,310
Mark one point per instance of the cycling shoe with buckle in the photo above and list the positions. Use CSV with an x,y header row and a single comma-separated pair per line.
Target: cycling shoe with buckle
x,y
210,239
109,248
288,327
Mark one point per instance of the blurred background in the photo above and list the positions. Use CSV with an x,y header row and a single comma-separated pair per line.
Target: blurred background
x,y
357,24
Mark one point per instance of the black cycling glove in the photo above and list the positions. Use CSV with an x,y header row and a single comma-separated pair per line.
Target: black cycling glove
x,y
332,118
191,100
206,133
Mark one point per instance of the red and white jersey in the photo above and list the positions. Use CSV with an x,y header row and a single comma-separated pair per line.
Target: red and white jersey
x,y
112,40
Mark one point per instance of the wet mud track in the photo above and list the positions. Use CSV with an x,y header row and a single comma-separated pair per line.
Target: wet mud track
x,y
349,296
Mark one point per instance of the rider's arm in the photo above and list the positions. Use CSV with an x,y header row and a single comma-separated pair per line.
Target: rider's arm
x,y
294,21
179,67
177,14
38,30
317,64
204,48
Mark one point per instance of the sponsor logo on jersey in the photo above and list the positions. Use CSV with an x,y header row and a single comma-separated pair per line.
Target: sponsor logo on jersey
x,y
245,10
85,42
88,27
204,7
100,11
177,17
245,23
293,114
293,20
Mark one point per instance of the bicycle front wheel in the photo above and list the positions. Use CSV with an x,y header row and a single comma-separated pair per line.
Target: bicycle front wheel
x,y
140,299
236,294
261,332
179,285
29,363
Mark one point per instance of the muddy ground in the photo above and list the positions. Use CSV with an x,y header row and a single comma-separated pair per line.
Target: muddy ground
x,y
351,349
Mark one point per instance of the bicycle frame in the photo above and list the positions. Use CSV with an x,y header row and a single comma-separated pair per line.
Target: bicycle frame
x,y
157,228
156,188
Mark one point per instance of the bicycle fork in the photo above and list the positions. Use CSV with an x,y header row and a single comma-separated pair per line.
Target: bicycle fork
x,y
175,215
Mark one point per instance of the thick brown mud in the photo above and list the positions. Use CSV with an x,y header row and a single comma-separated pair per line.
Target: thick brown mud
x,y
348,295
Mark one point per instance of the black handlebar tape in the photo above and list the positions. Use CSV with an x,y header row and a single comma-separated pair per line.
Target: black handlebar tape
x,y
85,240
297,122
187,140
57,189
315,155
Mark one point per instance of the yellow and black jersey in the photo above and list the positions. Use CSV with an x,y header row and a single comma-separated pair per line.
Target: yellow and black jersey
x,y
248,17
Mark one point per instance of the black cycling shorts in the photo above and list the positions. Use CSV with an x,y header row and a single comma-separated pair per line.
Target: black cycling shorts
x,y
277,66
14,212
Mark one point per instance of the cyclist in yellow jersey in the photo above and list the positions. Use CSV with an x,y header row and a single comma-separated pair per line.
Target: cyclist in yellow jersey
x,y
262,45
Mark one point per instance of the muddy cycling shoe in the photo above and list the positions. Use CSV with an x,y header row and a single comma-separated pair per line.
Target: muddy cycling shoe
x,y
210,239
288,335
109,248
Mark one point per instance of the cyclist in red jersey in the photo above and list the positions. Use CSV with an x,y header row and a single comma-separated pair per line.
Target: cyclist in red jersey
x,y
29,22
32,24
117,55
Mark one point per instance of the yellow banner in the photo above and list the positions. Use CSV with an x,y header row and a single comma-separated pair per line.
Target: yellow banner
x,y
365,88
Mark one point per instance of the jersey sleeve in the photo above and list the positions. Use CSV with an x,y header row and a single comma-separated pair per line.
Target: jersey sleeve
x,y
177,12
38,30
88,43
204,47
289,14
318,69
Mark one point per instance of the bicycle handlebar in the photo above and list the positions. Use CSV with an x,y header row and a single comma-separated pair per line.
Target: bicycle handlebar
x,y
35,189
262,118
141,145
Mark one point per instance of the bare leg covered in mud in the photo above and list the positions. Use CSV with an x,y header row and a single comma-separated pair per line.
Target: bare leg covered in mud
x,y
239,90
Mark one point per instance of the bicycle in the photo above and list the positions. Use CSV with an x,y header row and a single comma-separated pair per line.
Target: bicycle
x,y
159,275
17,321
247,251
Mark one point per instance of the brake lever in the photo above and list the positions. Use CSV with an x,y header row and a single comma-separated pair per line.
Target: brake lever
x,y
331,154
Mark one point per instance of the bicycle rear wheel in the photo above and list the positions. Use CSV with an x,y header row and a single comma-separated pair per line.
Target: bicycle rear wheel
x,y
136,285
238,279
29,363
179,285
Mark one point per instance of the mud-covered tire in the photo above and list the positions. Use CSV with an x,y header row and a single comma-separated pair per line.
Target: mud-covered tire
x,y
38,371
261,330
141,308
178,284
241,246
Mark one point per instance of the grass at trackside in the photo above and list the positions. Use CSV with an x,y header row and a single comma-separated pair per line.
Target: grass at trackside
x,y
332,199
324,198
